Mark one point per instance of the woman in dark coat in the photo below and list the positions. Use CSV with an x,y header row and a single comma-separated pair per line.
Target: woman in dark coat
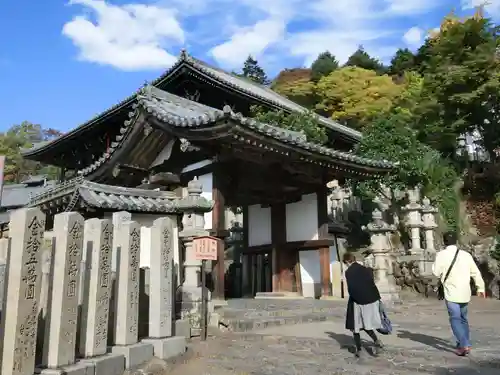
x,y
363,308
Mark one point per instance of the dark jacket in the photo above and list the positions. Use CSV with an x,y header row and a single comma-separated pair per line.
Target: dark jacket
x,y
362,290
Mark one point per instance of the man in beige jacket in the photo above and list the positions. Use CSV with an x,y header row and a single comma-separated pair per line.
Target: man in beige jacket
x,y
457,290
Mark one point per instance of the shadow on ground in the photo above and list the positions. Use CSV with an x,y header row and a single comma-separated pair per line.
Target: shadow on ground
x,y
434,342
489,367
346,342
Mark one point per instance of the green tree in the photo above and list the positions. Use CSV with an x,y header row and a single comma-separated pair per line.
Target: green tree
x,y
361,59
461,86
21,136
253,71
389,138
306,122
324,64
403,61
355,95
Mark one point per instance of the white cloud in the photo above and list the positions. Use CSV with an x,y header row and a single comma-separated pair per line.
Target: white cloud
x,y
414,37
249,41
128,37
405,7
137,36
492,7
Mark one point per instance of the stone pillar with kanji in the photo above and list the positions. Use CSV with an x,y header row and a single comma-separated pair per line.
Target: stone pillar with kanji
x,y
383,256
193,222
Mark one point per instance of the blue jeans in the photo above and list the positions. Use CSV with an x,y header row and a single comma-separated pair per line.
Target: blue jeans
x,y
459,322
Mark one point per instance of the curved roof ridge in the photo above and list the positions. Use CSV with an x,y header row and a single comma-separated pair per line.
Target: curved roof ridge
x,y
248,87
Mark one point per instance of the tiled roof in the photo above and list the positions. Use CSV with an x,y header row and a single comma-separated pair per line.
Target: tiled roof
x,y
230,80
115,198
18,195
183,113
263,92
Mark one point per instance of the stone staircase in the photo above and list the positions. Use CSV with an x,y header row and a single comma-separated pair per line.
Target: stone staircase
x,y
244,315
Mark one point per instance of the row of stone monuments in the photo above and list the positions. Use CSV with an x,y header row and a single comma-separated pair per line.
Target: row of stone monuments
x,y
64,319
75,300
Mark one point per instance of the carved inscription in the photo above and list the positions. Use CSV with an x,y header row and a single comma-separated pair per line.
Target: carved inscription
x,y
68,231
135,244
103,290
166,288
33,245
23,279
73,259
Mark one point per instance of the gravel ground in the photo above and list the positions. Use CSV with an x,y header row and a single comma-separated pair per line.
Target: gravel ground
x,y
421,344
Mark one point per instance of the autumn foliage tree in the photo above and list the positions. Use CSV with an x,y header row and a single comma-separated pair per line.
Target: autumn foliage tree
x,y
354,95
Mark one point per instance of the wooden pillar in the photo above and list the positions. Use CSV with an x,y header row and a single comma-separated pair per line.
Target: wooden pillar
x,y
324,252
283,262
218,227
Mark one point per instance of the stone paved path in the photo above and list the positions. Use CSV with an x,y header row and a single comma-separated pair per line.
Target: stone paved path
x,y
421,344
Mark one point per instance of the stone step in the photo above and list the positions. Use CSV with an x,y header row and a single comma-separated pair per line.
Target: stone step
x,y
248,314
252,324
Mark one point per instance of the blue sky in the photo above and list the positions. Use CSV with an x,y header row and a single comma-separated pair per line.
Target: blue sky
x,y
62,62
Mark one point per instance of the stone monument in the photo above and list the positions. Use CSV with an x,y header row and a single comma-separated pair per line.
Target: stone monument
x,y
161,291
61,325
24,276
126,317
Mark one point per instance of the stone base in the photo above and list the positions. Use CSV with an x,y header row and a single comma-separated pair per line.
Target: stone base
x,y
189,303
169,347
108,364
135,354
80,368
182,328
281,295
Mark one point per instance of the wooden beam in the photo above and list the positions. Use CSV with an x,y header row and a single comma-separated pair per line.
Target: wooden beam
x,y
218,226
324,252
293,245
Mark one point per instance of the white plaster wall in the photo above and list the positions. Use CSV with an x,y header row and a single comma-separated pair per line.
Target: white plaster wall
x,y
310,273
259,225
206,181
302,219
145,258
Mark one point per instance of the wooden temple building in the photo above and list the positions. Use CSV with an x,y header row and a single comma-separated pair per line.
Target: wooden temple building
x,y
193,121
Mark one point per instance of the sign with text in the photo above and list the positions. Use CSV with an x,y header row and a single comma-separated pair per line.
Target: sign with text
x,y
205,248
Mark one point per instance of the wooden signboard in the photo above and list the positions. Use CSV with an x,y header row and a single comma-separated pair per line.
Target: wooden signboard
x,y
205,248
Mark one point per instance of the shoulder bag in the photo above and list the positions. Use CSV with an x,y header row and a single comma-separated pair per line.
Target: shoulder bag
x,y
440,287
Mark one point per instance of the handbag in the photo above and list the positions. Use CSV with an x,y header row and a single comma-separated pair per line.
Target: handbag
x,y
440,286
386,328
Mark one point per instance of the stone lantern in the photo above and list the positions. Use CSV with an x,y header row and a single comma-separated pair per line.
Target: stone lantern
x,y
383,256
194,207
414,221
429,226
